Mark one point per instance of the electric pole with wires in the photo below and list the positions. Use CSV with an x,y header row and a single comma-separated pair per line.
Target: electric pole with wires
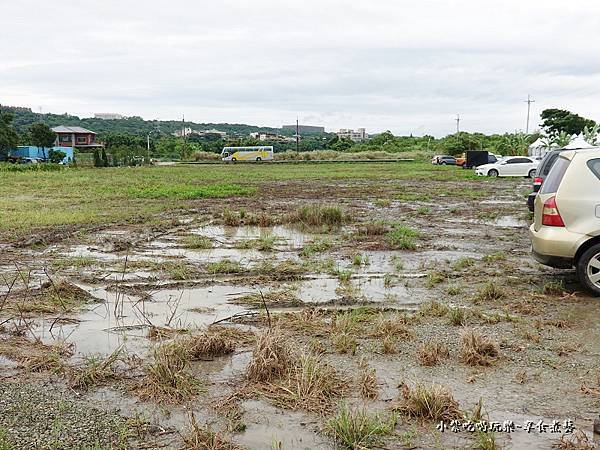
x,y
297,134
529,101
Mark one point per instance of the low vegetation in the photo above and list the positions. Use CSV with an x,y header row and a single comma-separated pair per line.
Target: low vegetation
x,y
402,238
318,216
167,378
432,353
476,349
430,402
355,429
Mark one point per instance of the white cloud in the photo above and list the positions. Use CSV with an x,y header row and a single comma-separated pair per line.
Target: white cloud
x,y
408,66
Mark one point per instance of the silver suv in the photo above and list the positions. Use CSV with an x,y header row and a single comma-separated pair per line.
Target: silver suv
x,y
566,229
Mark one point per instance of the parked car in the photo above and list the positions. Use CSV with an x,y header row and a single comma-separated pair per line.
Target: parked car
x,y
515,166
476,158
446,160
566,229
541,173
30,161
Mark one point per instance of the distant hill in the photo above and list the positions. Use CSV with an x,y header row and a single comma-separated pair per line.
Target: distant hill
x,y
24,117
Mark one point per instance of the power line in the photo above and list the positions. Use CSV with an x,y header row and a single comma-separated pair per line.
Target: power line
x,y
529,101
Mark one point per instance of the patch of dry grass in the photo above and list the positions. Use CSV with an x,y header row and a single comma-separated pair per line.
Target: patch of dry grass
x,y
368,382
35,356
51,297
434,402
389,345
576,441
433,309
272,357
311,385
167,379
314,216
395,324
290,378
359,429
477,349
202,437
344,343
490,292
431,353
96,370
282,298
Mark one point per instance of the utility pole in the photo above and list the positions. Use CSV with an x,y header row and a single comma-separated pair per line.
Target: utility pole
x,y
457,123
297,134
184,137
529,102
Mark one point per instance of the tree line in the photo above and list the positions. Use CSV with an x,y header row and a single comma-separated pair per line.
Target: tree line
x,y
129,146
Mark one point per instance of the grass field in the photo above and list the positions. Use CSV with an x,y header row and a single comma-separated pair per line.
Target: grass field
x,y
39,200
334,305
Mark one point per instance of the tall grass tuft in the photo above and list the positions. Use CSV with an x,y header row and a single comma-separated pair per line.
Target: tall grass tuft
x,y
319,216
359,429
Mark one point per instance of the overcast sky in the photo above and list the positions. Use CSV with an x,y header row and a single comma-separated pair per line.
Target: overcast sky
x,y
406,66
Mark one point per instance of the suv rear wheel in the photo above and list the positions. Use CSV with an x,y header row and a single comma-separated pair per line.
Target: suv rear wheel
x,y
588,268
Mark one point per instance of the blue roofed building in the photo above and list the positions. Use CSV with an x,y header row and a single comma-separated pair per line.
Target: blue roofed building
x,y
29,151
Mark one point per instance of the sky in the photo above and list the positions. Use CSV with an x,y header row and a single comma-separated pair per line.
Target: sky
x,y
405,66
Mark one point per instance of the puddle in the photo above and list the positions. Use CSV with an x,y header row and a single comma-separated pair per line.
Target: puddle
x,y
104,327
501,202
266,424
207,256
501,222
367,288
287,237
509,222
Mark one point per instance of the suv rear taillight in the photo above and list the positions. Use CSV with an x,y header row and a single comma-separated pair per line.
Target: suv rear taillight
x,y
537,181
550,215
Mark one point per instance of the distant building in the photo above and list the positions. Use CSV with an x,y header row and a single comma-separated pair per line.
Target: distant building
x,y
356,136
304,128
184,132
76,137
28,151
266,136
108,116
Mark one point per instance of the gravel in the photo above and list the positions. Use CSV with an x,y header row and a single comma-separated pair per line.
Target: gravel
x,y
35,416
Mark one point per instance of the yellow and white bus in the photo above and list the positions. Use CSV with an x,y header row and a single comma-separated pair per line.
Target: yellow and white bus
x,y
257,154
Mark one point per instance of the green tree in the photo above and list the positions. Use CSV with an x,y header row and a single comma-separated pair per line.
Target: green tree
x,y
104,158
591,134
9,138
56,156
383,138
42,136
97,158
458,143
556,120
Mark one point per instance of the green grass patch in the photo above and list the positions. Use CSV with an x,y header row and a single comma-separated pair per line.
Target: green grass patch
x,y
186,192
402,238
224,266
195,241
359,429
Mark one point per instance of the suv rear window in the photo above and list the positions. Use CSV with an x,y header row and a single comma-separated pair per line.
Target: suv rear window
x,y
551,183
594,165
548,163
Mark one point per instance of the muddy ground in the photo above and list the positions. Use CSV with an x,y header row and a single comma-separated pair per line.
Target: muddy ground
x,y
381,297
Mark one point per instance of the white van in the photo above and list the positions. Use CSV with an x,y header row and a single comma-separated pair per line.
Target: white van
x,y
257,154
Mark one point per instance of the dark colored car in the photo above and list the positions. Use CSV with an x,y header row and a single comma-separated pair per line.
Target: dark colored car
x,y
447,160
542,172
